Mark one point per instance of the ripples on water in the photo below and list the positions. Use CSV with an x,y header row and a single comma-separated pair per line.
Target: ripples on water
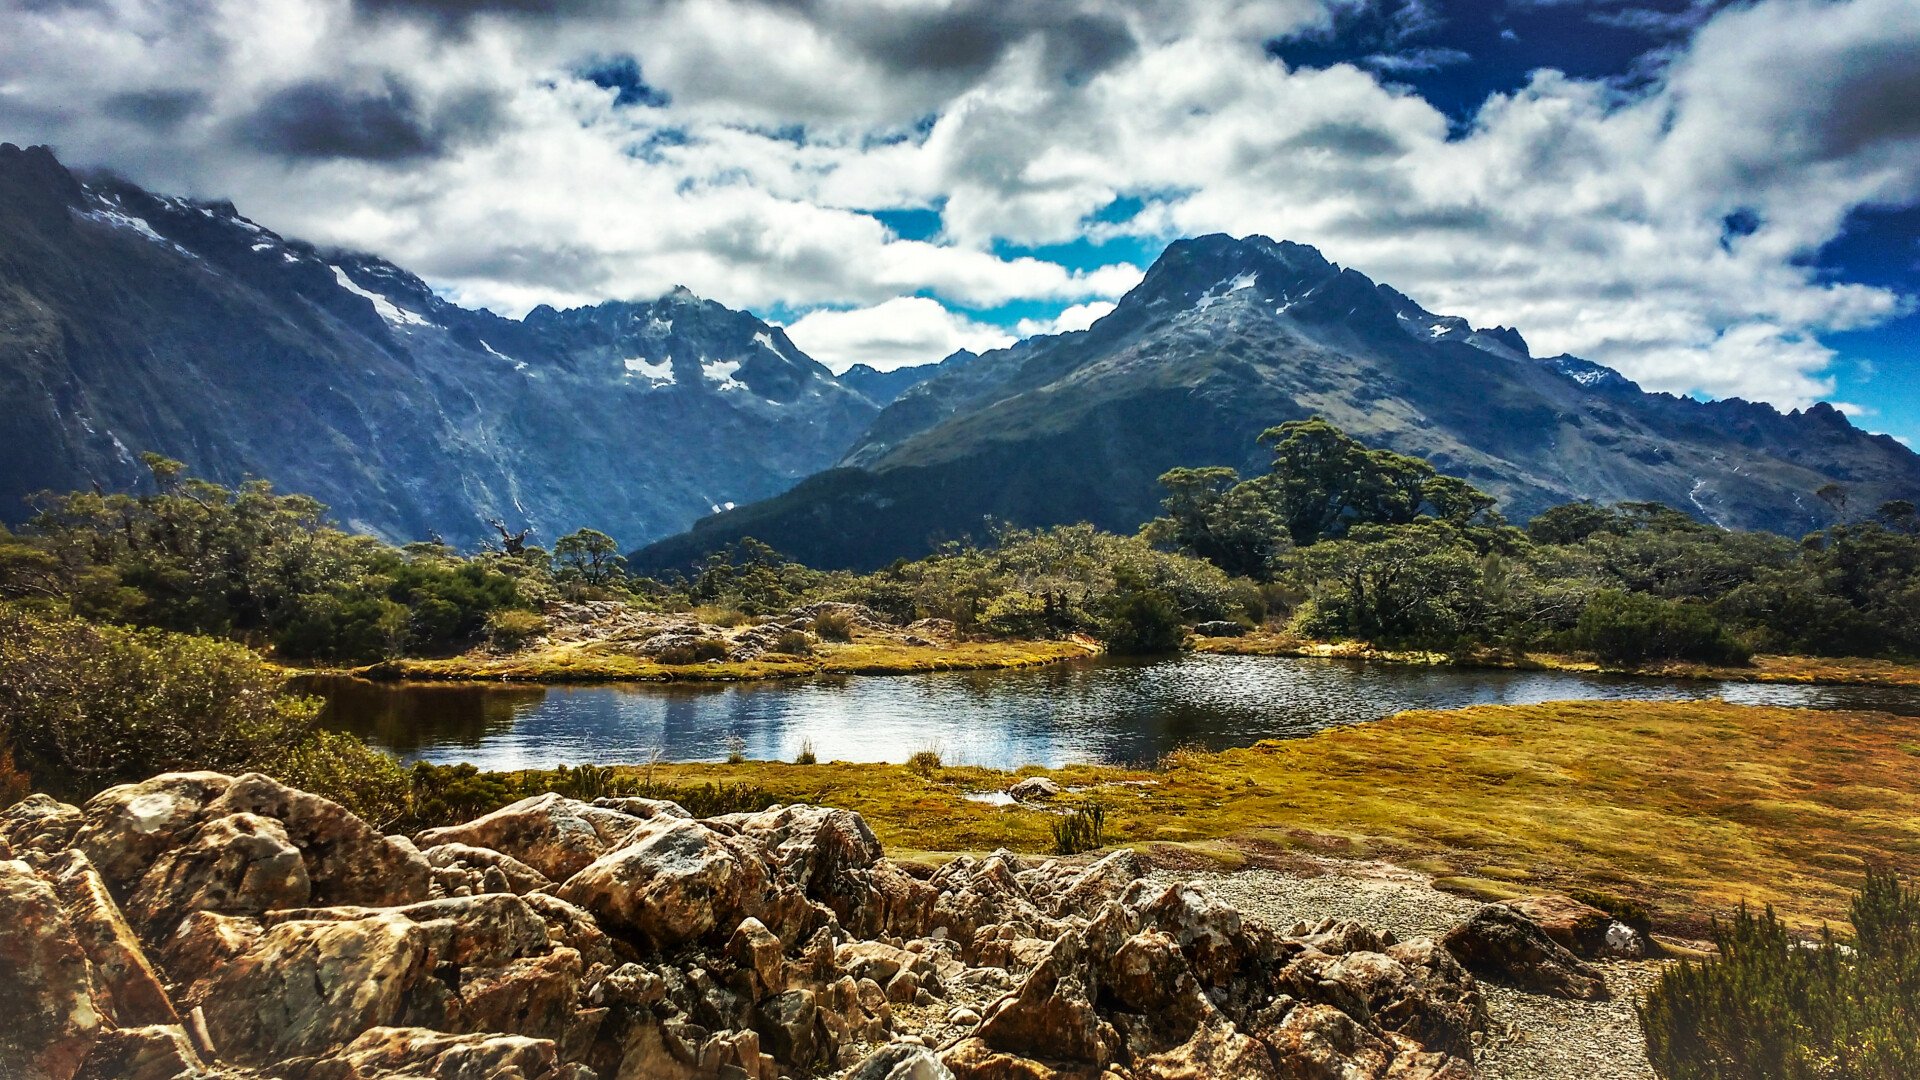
x,y
1094,711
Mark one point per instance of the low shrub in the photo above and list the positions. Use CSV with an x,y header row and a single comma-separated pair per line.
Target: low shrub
x,y
697,651
338,766
806,756
736,750
1082,830
1138,619
84,707
1771,1008
794,643
924,762
720,615
834,625
512,628
1631,628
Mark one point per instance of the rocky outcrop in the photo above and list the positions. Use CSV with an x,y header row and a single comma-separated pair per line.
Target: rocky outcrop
x,y
200,925
1500,942
551,833
1581,929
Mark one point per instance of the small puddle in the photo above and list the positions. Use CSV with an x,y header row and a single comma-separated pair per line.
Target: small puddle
x,y
990,798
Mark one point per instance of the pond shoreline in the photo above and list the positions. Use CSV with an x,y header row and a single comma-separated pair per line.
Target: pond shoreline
x,y
1776,669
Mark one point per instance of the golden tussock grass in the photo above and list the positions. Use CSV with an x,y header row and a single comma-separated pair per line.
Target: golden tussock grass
x,y
1687,807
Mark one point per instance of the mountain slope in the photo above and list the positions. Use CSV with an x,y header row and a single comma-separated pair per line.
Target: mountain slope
x,y
1224,338
131,322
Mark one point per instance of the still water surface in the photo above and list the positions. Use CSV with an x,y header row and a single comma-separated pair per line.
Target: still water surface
x,y
1102,710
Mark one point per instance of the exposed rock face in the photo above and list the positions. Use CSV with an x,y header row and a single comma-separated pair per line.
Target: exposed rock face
x,y
46,989
553,834
624,940
1581,929
1500,942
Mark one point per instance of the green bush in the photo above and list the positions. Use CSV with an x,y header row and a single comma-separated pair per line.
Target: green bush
x,y
1082,830
1630,628
794,643
1141,620
924,762
697,651
1771,1008
834,625
84,707
511,628
338,766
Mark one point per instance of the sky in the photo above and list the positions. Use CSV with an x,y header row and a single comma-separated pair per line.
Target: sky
x,y
1716,199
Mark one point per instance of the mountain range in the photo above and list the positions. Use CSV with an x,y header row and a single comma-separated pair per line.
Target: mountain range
x,y
133,321
1226,337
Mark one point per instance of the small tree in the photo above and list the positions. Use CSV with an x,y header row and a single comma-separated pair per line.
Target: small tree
x,y
590,557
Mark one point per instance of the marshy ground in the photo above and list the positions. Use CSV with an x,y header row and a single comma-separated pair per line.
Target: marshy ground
x,y
1687,808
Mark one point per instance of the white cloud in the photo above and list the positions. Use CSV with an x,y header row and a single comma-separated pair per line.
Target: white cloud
x,y
901,332
1074,317
464,148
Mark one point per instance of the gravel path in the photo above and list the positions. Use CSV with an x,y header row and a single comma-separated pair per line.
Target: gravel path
x,y
1533,1037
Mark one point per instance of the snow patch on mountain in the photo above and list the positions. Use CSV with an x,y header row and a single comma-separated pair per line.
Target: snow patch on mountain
x,y
658,373
720,372
394,314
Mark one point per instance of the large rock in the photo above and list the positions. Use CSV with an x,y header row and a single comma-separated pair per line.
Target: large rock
x,y
1500,943
674,882
473,863
39,824
127,827
346,860
240,864
416,1053
318,978
1581,929
553,834
46,992
157,1052
818,848
123,978
900,1061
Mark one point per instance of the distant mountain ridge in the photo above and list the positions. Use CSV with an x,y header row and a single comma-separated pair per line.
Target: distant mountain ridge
x,y
131,321
1225,337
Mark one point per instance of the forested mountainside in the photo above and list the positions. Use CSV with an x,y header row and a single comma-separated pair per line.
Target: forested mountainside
x,y
1226,337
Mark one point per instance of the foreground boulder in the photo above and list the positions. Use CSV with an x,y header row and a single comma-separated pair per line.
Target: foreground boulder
x,y
1499,942
551,833
1581,929
201,925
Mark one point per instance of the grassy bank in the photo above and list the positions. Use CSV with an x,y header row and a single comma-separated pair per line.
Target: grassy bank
x,y
603,662
1764,669
1686,807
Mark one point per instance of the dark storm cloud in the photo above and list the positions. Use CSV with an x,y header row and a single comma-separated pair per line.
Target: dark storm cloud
x,y
457,13
1878,100
963,39
388,123
971,36
160,110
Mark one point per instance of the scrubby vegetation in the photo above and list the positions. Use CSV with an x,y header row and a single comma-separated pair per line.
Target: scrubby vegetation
x,y
1355,543
1337,541
86,706
1770,1008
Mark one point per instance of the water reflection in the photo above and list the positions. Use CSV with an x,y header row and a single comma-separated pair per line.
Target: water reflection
x,y
1100,710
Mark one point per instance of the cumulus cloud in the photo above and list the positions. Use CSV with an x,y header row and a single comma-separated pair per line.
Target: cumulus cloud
x,y
1073,317
902,332
566,151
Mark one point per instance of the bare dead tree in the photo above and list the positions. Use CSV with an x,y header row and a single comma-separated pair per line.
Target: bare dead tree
x,y
511,543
